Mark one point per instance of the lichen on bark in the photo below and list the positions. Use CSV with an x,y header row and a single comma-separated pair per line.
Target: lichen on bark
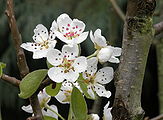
x,y
137,38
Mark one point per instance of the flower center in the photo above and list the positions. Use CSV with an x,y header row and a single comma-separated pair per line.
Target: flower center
x,y
90,79
71,35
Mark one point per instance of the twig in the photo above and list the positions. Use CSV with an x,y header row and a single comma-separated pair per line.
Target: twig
x,y
45,83
160,117
117,9
32,118
21,60
11,80
158,28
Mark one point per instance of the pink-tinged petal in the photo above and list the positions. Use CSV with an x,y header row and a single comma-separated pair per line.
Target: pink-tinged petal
x,y
114,60
117,51
77,26
105,54
70,52
71,76
92,65
80,64
90,91
54,57
101,91
64,22
62,38
81,38
27,109
56,74
40,33
30,46
104,75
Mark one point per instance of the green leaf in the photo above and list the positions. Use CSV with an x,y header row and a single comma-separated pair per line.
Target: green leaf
x,y
83,87
79,106
53,91
49,118
49,65
2,65
30,83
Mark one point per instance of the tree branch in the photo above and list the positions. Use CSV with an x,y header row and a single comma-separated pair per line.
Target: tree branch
x,y
117,9
158,28
11,80
160,117
21,59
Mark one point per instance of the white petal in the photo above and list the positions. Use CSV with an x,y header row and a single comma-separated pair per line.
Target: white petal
x,y
31,46
61,97
77,26
105,54
39,54
71,76
81,38
62,38
80,64
43,97
92,37
27,109
114,60
94,117
52,43
52,114
54,57
104,75
90,91
70,52
40,33
52,35
117,51
54,26
101,91
107,112
92,65
64,22
99,39
56,74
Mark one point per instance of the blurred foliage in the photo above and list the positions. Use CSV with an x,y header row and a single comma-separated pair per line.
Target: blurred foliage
x,y
94,13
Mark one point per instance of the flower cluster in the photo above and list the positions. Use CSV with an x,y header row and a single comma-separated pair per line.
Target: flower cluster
x,y
70,69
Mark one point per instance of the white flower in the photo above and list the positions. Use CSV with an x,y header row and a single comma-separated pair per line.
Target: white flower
x,y
70,31
67,65
107,112
64,95
106,53
43,98
96,79
43,41
93,117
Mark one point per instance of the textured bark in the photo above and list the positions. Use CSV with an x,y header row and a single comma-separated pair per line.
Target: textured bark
x,y
137,38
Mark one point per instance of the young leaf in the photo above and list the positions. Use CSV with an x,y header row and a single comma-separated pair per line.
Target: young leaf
x,y
79,106
49,118
31,82
53,91
48,64
2,65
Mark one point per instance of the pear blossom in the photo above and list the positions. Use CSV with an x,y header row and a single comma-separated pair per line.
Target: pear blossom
x,y
96,79
93,117
107,112
106,52
67,64
43,98
70,31
64,94
43,41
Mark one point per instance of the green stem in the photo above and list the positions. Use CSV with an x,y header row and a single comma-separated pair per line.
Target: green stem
x,y
48,107
94,54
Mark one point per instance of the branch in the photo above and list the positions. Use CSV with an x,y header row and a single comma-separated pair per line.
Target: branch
x,y
117,9
11,80
158,28
160,117
45,83
21,60
32,118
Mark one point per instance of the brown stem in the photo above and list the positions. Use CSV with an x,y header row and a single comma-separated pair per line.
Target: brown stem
x,y
21,59
137,38
32,118
117,9
160,117
11,80
158,28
